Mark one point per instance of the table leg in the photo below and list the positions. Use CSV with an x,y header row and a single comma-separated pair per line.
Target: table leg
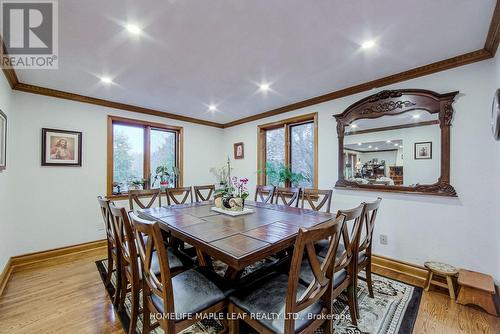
x,y
203,259
233,274
428,281
451,289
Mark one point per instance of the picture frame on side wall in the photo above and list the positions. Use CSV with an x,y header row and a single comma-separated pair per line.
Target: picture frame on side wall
x,y
3,140
423,150
61,148
239,152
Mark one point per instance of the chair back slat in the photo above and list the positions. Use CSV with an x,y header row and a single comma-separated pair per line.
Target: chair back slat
x,y
371,210
355,217
287,196
264,194
106,216
183,193
313,198
322,270
134,196
150,241
199,195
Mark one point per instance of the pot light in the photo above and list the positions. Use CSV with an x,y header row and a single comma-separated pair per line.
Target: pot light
x,y
359,144
396,145
416,116
212,107
264,87
354,126
369,146
106,80
133,29
388,142
376,148
368,44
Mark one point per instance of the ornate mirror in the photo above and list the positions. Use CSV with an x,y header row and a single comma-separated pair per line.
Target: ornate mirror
x,y
397,141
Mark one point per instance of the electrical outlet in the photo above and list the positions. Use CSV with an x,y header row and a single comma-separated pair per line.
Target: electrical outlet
x,y
383,239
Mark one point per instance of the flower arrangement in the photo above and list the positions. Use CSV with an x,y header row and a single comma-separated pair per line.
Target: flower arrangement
x,y
240,187
231,191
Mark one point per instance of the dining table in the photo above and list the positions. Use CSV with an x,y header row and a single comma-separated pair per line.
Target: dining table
x,y
238,241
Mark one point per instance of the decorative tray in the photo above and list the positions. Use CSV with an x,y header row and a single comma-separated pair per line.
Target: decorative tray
x,y
245,211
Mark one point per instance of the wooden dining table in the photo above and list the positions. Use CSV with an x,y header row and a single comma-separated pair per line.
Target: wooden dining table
x,y
237,241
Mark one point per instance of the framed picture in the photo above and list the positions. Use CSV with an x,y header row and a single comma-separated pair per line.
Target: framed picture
x,y
423,150
239,152
3,140
61,148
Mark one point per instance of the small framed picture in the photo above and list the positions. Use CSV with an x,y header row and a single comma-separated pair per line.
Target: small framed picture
x,y
61,148
423,150
239,152
3,140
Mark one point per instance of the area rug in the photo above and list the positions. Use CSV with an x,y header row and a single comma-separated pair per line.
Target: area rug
x,y
392,311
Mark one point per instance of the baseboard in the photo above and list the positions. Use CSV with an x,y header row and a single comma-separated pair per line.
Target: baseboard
x,y
30,258
399,267
4,278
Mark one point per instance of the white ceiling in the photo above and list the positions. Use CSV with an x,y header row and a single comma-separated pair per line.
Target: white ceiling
x,y
375,146
407,118
194,53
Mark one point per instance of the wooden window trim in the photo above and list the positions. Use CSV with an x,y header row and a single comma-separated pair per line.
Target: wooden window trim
x,y
147,126
286,124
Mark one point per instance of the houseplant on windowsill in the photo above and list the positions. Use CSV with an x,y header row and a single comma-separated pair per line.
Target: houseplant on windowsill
x,y
278,174
166,175
137,184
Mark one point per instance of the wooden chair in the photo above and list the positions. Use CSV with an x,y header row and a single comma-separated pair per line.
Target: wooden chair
x,y
313,198
272,293
190,292
134,196
261,191
346,262
171,193
199,195
365,243
293,195
129,268
113,255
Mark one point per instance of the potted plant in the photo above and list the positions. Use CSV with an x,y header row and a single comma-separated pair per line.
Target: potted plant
x,y
137,183
231,191
166,175
280,174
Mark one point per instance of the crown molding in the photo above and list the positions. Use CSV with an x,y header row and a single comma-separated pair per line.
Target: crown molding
x,y
489,51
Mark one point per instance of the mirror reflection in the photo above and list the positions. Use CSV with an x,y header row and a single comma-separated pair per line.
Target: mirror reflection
x,y
396,150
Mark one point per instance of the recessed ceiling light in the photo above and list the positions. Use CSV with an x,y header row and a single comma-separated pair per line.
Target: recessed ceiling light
x,y
359,144
133,29
376,148
212,107
396,145
400,146
354,126
368,44
369,146
416,116
264,86
388,142
106,80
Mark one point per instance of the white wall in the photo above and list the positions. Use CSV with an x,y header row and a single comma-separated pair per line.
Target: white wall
x,y
56,206
5,106
460,230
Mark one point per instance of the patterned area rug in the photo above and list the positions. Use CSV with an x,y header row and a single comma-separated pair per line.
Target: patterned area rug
x,y
392,311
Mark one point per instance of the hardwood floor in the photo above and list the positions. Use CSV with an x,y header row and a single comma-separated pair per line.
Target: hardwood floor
x,y
66,295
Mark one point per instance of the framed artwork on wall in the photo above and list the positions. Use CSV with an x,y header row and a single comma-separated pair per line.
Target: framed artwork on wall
x,y
239,152
61,148
423,150
3,140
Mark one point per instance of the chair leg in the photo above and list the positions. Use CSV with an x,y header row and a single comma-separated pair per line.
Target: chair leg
x,y
146,320
134,314
118,287
351,299
368,272
233,324
123,291
110,267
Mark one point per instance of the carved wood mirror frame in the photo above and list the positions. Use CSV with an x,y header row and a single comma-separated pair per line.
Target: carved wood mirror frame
x,y
394,102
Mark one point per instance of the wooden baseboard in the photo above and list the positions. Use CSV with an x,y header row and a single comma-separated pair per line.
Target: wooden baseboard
x,y
4,278
399,267
17,262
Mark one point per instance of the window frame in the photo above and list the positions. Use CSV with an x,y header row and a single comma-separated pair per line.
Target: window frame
x,y
147,126
287,124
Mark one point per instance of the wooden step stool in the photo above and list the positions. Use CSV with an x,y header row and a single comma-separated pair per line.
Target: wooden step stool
x,y
443,270
477,289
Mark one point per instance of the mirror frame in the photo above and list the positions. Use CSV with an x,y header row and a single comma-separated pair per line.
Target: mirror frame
x,y
395,102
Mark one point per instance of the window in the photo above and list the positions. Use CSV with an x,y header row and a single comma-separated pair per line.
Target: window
x,y
136,149
289,143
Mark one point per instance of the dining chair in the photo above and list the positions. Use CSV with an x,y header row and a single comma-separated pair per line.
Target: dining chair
x,y
280,292
199,195
177,297
134,196
346,260
113,255
264,193
288,196
184,194
365,243
317,199
131,273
